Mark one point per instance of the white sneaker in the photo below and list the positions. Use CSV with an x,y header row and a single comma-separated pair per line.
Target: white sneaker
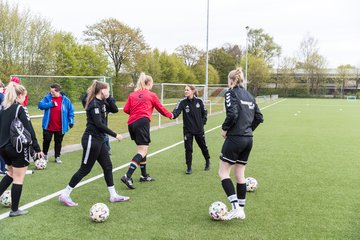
x,y
58,160
237,213
67,201
119,198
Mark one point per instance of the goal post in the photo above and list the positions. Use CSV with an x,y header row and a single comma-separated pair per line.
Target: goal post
x,y
171,93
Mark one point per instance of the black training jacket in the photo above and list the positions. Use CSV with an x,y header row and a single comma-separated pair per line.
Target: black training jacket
x,y
242,113
96,124
194,114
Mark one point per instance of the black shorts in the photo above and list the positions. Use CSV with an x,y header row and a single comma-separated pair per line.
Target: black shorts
x,y
13,158
140,131
236,149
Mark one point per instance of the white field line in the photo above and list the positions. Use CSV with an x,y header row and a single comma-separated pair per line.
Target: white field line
x,y
55,194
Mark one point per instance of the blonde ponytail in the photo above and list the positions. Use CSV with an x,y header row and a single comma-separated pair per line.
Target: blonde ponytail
x,y
237,76
13,90
143,81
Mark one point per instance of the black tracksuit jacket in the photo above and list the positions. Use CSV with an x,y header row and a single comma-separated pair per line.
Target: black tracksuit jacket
x,y
194,114
242,113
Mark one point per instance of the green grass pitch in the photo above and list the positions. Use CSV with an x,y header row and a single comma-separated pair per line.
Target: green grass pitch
x,y
305,158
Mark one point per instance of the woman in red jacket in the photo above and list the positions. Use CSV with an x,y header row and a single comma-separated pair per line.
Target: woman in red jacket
x,y
140,105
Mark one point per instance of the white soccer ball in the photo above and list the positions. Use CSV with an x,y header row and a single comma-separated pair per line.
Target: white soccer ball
x,y
40,164
99,212
251,184
5,198
217,210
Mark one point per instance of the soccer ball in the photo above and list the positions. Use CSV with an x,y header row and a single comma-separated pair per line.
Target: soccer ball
x,y
5,198
217,210
99,212
40,164
251,184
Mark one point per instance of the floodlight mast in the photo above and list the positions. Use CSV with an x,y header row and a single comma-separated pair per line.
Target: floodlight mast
x,y
207,55
246,57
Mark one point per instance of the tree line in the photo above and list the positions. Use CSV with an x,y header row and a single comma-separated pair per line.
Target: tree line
x,y
30,46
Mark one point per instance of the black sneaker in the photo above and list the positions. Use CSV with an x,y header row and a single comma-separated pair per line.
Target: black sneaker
x,y
128,182
207,166
18,213
188,171
146,179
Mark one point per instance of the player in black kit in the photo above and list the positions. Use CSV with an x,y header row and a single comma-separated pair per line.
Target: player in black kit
x,y
194,118
93,143
242,118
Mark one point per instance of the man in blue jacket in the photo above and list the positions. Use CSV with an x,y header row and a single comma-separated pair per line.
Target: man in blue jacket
x,y
58,118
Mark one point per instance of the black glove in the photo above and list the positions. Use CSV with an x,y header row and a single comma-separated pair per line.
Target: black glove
x,y
71,125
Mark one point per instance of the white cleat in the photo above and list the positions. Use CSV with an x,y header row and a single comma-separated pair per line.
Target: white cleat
x,y
237,213
119,198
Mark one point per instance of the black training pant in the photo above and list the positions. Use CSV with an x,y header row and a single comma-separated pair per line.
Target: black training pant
x,y
200,140
93,149
58,138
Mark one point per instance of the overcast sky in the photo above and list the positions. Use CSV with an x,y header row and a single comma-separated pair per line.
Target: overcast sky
x,y
167,24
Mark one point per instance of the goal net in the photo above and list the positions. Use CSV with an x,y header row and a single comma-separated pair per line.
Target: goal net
x,y
171,93
74,87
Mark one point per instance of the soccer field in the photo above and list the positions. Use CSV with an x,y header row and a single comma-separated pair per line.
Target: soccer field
x,y
305,158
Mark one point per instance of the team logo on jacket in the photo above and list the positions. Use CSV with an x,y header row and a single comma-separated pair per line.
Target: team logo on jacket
x,y
187,109
104,108
197,105
250,104
97,111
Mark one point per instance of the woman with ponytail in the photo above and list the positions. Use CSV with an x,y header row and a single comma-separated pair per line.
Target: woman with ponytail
x,y
140,105
17,162
242,118
93,143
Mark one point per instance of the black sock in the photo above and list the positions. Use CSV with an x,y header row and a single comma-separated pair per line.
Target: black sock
x,y
5,183
143,167
229,189
15,196
241,193
134,165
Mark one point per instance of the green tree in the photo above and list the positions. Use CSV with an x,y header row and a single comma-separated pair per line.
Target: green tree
x,y
258,73
345,73
173,70
234,50
313,64
286,74
223,62
122,43
149,63
262,45
24,42
190,54
199,72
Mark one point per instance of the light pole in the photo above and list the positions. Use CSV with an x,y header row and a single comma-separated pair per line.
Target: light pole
x,y
246,56
207,56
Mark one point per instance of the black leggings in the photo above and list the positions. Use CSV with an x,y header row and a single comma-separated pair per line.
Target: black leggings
x,y
93,149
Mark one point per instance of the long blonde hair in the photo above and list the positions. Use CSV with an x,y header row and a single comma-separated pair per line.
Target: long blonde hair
x,y
94,89
142,81
13,90
237,76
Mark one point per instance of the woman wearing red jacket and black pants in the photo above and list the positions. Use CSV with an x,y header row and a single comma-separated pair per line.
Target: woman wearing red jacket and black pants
x,y
140,105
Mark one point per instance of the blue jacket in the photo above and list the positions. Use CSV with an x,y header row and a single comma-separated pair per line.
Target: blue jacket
x,y
67,112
